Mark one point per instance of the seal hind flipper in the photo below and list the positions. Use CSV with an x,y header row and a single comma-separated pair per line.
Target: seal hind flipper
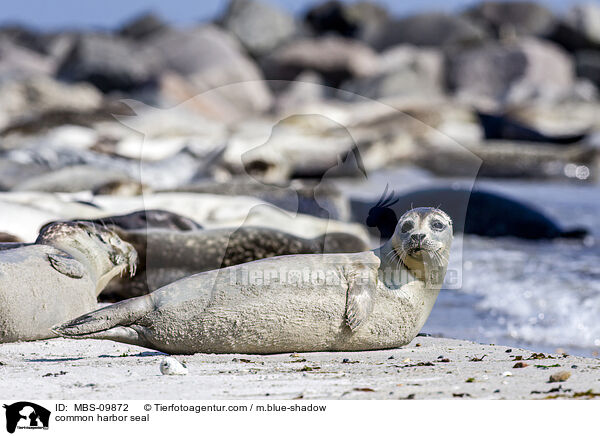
x,y
132,335
359,300
66,265
123,313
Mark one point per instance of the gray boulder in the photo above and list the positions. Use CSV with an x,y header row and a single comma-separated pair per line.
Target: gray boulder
x,y
588,65
335,58
431,29
521,18
108,62
512,72
18,62
207,58
361,20
586,18
142,27
246,20
404,71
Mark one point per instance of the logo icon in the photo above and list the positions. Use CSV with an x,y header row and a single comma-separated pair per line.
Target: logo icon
x,y
26,415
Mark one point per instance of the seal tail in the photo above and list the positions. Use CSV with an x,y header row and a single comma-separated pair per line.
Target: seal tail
x,y
121,314
577,233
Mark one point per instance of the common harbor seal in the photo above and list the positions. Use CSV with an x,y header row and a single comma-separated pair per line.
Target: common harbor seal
x,y
165,256
331,302
475,212
57,278
149,219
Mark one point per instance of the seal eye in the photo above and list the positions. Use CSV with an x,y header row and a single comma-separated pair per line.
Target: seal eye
x,y
407,226
437,225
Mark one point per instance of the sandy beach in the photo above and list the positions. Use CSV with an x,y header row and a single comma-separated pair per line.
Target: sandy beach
x,y
428,368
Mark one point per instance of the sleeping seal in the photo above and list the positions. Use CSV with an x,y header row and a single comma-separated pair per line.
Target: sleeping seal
x,y
165,256
57,278
330,302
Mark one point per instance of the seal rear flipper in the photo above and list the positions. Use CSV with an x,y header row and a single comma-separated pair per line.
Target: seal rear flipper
x,y
123,313
132,335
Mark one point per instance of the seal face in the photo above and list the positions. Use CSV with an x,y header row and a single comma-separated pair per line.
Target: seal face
x,y
422,239
344,303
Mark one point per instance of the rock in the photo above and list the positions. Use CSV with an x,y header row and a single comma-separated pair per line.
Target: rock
x,y
246,19
520,18
429,29
142,27
361,20
585,18
504,73
404,70
335,58
17,62
171,366
560,376
308,87
207,58
587,65
72,179
42,94
110,63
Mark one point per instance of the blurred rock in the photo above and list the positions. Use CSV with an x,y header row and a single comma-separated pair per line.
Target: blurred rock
x,y
208,58
110,63
587,64
520,18
17,62
361,20
25,37
72,179
246,19
308,87
432,29
403,71
335,58
497,73
40,94
143,26
586,19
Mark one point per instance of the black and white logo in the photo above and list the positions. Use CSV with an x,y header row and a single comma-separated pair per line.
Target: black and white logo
x,y
26,415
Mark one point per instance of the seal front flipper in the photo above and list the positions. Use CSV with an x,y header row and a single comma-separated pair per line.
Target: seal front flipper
x,y
66,265
359,299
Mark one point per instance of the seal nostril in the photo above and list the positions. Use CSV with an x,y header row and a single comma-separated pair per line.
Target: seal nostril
x,y
417,237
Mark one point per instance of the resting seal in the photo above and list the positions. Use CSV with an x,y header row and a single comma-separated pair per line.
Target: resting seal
x,y
57,278
165,256
363,301
151,218
475,212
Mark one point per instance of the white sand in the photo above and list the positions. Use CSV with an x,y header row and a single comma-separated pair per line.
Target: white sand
x,y
107,370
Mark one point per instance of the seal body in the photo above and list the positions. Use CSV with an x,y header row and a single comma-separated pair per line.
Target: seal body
x,y
319,302
472,212
166,256
57,278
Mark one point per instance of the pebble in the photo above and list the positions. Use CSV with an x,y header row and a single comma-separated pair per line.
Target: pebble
x,y
170,366
559,376
506,374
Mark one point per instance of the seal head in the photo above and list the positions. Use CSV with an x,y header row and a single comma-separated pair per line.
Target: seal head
x,y
82,242
422,242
